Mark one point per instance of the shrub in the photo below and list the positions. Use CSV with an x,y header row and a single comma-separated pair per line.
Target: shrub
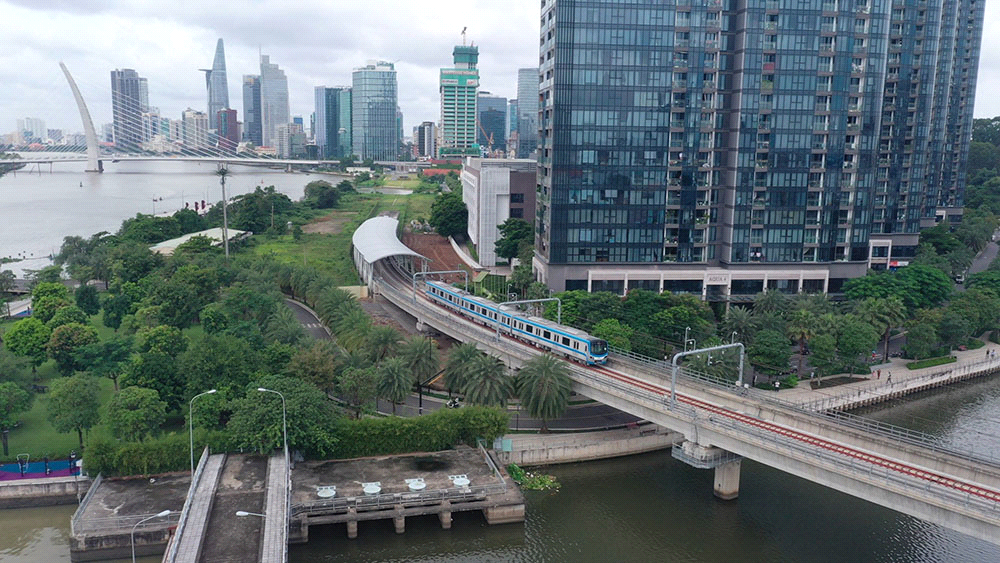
x,y
161,455
930,362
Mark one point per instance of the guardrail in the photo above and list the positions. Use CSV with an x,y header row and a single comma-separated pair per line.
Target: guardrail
x,y
389,500
74,521
124,523
182,520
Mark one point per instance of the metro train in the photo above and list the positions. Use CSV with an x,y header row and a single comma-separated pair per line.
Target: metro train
x,y
545,334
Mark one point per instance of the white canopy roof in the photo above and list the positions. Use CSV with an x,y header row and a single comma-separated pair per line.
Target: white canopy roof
x,y
376,239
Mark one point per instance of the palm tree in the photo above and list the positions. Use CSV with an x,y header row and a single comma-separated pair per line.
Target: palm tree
x,y
284,327
421,356
352,328
802,326
770,302
488,383
544,387
395,381
223,173
741,321
382,341
456,370
883,313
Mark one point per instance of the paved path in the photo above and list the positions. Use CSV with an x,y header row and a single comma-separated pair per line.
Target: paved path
x,y
196,520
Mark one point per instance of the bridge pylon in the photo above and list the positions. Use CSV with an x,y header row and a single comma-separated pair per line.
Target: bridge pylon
x,y
94,163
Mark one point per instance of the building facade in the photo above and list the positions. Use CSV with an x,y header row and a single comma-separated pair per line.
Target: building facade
x,y
273,100
494,190
459,87
217,86
252,127
726,147
375,132
527,112
491,112
196,134
129,100
228,130
332,130
424,137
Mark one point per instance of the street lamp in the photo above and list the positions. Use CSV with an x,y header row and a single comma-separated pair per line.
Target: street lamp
x,y
284,426
157,515
245,513
191,425
686,331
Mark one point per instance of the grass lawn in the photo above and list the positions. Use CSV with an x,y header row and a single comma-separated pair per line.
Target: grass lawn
x,y
331,253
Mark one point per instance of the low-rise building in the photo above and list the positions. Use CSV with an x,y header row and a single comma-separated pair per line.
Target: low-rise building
x,y
495,190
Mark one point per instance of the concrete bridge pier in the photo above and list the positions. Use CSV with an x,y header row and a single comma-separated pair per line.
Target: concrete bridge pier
x,y
445,515
352,523
727,480
725,463
399,520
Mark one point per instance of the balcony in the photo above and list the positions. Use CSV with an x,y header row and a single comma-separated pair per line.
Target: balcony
x,y
763,144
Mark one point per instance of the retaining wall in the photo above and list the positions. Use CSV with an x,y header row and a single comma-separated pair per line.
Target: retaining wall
x,y
535,449
24,493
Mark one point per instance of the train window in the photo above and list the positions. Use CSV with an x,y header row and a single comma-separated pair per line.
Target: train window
x,y
565,341
547,335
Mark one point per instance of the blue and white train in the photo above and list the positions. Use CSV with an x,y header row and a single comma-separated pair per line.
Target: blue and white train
x,y
545,334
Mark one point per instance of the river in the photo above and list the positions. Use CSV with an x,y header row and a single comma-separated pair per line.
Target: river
x,y
39,209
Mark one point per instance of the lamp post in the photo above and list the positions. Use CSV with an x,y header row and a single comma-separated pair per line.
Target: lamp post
x,y
191,425
245,513
132,541
284,426
686,331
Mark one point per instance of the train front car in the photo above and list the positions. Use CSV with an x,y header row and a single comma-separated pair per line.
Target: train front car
x,y
599,351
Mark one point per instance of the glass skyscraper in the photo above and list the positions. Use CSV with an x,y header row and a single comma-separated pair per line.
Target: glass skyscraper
x,y
725,147
492,116
333,121
273,100
527,112
217,86
374,102
252,131
129,100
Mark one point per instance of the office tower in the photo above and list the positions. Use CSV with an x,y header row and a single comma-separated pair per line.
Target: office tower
x,y
527,112
150,124
273,100
492,128
728,148
374,100
252,131
129,99
32,130
494,190
511,116
195,129
332,131
228,131
424,139
217,86
458,87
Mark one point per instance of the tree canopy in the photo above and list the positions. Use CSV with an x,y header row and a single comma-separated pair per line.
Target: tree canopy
x,y
449,216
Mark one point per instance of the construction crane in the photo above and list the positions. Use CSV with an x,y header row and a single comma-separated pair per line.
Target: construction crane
x,y
489,137
463,35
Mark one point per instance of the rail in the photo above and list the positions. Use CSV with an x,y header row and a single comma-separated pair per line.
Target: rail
x,y
383,501
124,523
75,520
182,520
493,466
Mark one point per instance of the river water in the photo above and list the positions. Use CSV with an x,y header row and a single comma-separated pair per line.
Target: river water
x,y
641,508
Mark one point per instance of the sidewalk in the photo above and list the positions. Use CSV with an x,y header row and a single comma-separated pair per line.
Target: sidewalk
x,y
869,389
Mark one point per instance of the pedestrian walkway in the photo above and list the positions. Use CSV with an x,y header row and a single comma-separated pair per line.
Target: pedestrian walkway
x,y
895,380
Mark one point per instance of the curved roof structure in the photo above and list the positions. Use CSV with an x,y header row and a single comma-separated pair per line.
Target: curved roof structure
x,y
376,239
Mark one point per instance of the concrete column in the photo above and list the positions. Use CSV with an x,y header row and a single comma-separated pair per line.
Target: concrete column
x,y
727,480
352,524
399,520
445,515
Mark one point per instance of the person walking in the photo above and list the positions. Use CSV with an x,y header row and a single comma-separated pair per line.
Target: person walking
x,y
878,374
888,378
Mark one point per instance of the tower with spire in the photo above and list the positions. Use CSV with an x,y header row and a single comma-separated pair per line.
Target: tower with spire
x,y
218,87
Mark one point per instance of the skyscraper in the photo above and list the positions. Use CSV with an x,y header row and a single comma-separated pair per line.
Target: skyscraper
x,y
218,87
527,112
375,133
252,131
728,148
129,99
332,131
228,130
491,112
424,137
458,88
195,132
273,100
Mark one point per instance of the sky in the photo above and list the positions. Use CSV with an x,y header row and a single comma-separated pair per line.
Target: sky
x,y
316,42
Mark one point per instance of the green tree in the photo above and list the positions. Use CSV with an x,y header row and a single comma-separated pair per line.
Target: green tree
x,y
954,330
770,351
801,327
449,217
395,381
921,341
158,371
135,413
488,383
167,339
883,314
50,289
617,334
544,386
13,401
513,234
66,315
88,300
283,326
358,387
107,358
29,338
823,357
256,420
316,364
115,309
421,356
73,404
382,342
215,361
458,366
856,338
64,343
739,320
44,308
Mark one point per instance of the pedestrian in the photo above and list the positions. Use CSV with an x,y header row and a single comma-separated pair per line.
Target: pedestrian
x,y
755,380
878,374
888,377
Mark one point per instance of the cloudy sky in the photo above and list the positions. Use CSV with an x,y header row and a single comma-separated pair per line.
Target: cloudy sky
x,y
316,42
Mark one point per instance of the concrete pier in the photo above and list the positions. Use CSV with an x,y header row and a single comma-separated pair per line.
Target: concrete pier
x,y
727,480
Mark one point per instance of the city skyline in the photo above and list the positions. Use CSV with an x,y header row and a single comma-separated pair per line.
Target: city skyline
x,y
171,48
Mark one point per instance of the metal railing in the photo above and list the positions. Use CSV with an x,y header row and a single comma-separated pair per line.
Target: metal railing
x,y
182,519
383,501
91,525
74,521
